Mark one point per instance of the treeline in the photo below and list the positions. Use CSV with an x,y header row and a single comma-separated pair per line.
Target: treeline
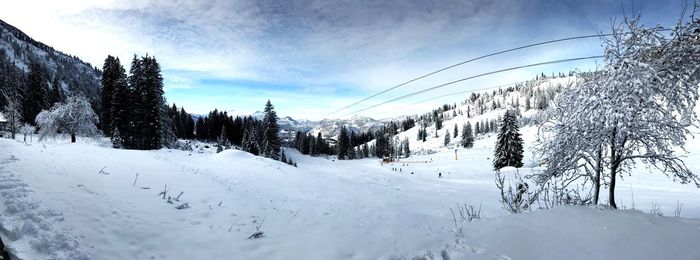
x,y
135,115
356,146
183,125
256,136
24,94
134,112
310,145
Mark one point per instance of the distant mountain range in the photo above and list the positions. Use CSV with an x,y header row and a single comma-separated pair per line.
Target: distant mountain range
x,y
329,128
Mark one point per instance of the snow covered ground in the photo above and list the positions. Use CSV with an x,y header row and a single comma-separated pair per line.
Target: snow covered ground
x,y
79,201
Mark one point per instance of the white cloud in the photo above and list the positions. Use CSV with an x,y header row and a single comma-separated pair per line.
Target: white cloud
x,y
325,49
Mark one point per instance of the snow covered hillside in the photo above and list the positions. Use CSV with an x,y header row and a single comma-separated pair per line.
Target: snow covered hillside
x,y
486,108
75,75
87,200
330,128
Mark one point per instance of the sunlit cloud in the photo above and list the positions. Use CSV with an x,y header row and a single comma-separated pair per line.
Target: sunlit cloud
x,y
312,57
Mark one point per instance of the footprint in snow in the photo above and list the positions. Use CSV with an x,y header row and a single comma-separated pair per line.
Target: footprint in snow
x,y
477,250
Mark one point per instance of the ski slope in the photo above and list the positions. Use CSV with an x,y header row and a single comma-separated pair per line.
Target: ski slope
x,y
79,201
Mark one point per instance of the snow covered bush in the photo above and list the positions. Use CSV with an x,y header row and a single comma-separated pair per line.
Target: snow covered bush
x,y
74,117
27,129
518,198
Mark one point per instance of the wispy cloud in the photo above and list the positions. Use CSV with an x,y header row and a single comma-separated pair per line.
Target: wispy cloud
x,y
313,56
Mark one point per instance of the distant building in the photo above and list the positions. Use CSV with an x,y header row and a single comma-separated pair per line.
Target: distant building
x,y
3,122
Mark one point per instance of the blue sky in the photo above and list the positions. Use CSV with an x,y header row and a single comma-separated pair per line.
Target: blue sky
x,y
312,57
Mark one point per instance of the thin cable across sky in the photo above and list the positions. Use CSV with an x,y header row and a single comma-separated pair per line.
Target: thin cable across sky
x,y
468,61
476,76
475,59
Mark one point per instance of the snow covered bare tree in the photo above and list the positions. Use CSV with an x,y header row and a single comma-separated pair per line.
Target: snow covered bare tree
x,y
648,97
27,129
637,109
571,146
74,117
12,110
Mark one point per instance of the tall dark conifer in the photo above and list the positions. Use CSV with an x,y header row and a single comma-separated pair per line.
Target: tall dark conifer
x,y
150,88
136,106
36,94
110,75
270,141
467,137
509,144
343,143
120,102
447,138
56,94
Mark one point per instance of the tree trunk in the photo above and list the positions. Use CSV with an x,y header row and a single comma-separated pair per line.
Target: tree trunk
x,y
613,174
598,170
72,138
13,126
613,168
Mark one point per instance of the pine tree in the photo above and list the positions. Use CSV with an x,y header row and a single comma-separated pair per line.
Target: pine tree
x,y
270,139
318,145
343,144
151,89
467,138
56,95
119,109
438,121
223,139
250,139
117,141
447,137
351,149
190,126
455,131
201,130
383,146
111,74
406,148
36,95
136,124
351,153
509,144
283,158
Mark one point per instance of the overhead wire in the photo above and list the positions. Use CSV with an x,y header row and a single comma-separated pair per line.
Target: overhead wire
x,y
468,61
476,76
475,59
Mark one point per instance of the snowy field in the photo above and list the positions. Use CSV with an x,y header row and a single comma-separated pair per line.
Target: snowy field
x,y
79,201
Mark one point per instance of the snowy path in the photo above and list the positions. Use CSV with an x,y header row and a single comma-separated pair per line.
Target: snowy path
x,y
27,226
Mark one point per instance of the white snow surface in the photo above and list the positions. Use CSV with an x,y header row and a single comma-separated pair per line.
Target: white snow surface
x,y
78,201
